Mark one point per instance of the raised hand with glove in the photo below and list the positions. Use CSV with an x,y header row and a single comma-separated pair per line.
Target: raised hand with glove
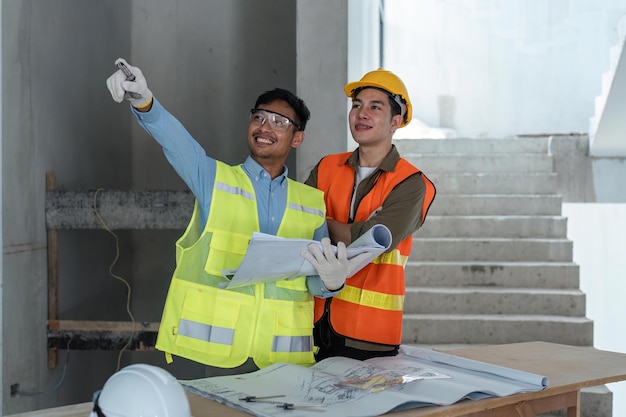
x,y
129,84
332,269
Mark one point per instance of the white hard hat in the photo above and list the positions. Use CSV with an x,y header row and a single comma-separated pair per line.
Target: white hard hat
x,y
141,390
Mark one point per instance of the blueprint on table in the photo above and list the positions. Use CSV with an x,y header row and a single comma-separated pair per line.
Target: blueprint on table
x,y
272,258
320,391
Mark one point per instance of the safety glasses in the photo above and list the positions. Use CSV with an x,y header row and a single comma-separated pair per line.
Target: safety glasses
x,y
276,121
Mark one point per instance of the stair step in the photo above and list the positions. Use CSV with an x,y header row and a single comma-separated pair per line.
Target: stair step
x,y
496,329
501,250
494,204
460,162
495,183
492,274
472,146
494,226
494,300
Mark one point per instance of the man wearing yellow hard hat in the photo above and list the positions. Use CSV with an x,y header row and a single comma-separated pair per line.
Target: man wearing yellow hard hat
x,y
372,185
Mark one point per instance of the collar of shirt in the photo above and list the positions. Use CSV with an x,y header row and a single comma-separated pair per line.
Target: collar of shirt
x,y
388,164
256,171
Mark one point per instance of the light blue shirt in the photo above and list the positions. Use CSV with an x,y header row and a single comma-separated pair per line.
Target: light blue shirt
x,y
198,170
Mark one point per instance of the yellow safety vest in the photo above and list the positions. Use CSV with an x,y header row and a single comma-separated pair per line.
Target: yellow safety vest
x,y
270,322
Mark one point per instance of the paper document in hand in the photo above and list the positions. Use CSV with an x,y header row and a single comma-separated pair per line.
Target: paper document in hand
x,y
271,258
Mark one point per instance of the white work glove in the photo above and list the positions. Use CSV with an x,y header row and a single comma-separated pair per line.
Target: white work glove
x,y
333,270
122,87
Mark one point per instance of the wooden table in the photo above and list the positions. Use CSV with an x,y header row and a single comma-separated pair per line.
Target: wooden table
x,y
568,368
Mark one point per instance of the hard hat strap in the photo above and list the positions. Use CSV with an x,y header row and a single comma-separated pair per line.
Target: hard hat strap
x,y
398,99
96,406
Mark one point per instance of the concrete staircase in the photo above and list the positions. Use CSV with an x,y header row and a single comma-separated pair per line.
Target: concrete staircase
x,y
607,122
492,264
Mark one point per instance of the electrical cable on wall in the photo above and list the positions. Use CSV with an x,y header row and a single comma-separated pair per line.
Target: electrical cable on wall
x,y
15,388
117,254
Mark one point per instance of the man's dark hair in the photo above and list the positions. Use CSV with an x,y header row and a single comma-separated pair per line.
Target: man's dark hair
x,y
395,107
302,112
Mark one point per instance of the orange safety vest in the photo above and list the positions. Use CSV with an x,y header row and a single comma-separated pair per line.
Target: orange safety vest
x,y
369,308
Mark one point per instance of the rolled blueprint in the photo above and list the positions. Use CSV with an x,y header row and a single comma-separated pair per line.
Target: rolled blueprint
x,y
272,258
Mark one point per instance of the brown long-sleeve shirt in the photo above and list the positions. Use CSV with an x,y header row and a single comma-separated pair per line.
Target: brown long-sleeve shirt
x,y
401,211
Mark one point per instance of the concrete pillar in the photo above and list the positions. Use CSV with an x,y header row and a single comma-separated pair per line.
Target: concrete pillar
x,y
321,68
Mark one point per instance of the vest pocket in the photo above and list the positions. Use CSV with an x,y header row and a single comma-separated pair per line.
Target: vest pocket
x,y
212,324
293,334
226,251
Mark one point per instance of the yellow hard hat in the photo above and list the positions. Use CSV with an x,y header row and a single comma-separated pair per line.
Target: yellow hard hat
x,y
390,83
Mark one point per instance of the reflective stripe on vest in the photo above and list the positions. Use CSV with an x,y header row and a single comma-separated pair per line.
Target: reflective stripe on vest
x,y
225,336
371,298
233,190
391,258
206,332
292,344
308,210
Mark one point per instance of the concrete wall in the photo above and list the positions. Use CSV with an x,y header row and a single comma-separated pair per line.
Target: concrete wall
x,y
597,231
57,117
607,126
207,62
1,228
584,178
322,61
494,69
